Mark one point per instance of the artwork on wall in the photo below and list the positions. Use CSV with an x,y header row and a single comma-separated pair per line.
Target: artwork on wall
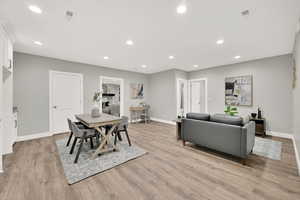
x,y
238,91
137,90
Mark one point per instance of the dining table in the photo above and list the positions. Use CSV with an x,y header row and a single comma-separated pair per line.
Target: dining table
x,y
110,122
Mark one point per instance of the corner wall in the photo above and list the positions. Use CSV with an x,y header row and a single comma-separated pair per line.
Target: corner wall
x,y
272,89
296,99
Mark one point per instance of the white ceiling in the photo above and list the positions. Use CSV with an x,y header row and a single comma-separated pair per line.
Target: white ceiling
x,y
100,28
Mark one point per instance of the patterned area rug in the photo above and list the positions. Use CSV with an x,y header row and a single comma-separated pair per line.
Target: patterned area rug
x,y
267,148
86,166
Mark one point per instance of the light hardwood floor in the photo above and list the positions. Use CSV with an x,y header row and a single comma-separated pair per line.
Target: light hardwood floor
x,y
168,171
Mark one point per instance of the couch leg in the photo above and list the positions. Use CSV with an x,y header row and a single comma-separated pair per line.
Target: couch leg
x,y
183,142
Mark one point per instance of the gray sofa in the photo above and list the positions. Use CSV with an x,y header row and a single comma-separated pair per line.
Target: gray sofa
x,y
224,133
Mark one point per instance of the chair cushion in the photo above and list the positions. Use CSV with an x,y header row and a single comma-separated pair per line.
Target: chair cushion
x,y
227,119
198,116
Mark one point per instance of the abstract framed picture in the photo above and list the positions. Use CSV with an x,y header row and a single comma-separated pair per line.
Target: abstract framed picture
x,y
238,91
137,90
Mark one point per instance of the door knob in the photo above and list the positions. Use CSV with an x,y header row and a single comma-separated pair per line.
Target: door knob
x,y
54,107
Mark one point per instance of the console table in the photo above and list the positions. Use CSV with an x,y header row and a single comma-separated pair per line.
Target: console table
x,y
135,113
260,126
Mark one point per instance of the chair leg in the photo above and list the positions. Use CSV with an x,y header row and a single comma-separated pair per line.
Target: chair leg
x,y
119,136
73,145
115,141
79,150
128,139
92,144
70,137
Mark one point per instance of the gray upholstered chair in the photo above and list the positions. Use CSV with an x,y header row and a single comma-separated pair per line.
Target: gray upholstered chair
x,y
122,127
82,134
145,115
80,125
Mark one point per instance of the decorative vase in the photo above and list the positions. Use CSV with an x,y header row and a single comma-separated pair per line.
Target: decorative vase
x,y
95,111
259,113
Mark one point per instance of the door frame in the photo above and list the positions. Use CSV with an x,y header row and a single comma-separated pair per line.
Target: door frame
x,y
189,93
51,75
121,91
178,93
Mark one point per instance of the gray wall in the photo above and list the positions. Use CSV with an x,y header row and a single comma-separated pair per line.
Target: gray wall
x,y
296,96
272,89
162,95
31,88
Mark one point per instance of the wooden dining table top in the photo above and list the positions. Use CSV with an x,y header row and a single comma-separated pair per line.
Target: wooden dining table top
x,y
92,122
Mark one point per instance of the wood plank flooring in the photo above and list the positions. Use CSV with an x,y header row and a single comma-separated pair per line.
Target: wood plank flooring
x,y
168,171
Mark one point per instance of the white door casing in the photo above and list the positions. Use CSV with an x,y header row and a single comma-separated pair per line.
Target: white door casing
x,y
1,96
197,95
119,80
66,99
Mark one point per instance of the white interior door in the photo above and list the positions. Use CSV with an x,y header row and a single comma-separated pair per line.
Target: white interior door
x,y
195,97
65,99
198,96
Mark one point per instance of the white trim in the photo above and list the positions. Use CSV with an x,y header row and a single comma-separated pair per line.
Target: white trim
x,y
51,72
33,136
279,134
163,121
296,155
121,91
189,92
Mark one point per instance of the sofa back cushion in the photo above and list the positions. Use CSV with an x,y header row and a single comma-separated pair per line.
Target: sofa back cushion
x,y
227,119
198,116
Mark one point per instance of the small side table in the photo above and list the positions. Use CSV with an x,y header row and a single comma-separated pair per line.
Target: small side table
x,y
178,128
260,126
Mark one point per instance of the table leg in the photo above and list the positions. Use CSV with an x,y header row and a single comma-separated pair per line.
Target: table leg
x,y
105,139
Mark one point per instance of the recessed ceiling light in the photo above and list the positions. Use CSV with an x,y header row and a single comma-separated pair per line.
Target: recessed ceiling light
x,y
35,9
195,66
38,43
129,42
144,66
171,57
181,9
106,57
237,57
221,41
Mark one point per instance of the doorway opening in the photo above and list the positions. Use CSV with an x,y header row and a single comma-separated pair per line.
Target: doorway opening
x,y
182,97
112,101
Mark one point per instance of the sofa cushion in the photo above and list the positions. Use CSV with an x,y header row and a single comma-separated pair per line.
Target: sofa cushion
x,y
227,119
198,116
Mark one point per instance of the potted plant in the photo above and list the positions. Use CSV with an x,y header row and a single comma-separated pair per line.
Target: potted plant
x,y
231,110
96,99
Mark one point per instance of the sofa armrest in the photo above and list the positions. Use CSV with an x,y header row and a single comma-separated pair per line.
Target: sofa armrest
x,y
248,138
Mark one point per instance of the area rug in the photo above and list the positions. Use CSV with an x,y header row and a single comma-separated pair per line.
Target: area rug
x,y
86,167
267,148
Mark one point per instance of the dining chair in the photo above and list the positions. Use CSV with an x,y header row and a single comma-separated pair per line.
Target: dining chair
x,y
80,125
145,115
82,134
122,127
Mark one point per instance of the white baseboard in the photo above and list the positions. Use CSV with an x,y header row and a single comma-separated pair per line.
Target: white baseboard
x,y
33,136
279,134
297,155
163,121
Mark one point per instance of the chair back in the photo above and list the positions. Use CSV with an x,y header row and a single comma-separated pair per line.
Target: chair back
x,y
70,124
76,131
124,123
